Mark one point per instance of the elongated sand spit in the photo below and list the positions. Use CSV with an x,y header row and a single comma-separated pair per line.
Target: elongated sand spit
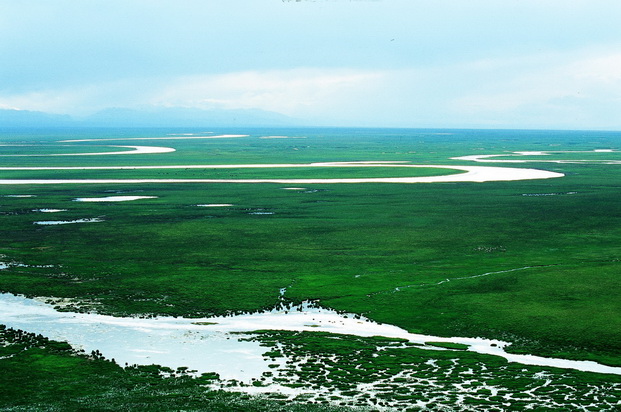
x,y
136,150
472,174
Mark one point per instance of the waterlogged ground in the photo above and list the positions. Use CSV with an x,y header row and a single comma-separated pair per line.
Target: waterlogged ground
x,y
526,252
313,368
308,365
397,375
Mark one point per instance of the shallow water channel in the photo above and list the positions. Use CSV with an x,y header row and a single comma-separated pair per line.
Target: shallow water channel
x,y
207,345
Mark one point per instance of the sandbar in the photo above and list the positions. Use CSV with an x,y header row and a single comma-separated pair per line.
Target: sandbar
x,y
282,137
136,150
112,198
472,174
186,136
215,205
490,158
66,222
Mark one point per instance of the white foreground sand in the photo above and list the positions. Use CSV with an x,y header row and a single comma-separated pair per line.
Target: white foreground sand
x,y
206,344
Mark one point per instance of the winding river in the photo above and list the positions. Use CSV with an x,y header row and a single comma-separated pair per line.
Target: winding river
x,y
207,344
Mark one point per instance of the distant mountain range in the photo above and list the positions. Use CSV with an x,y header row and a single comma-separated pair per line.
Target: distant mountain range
x,y
25,118
152,117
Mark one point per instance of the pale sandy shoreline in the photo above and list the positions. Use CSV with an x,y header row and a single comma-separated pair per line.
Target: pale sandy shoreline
x,y
216,205
472,174
490,158
67,222
112,198
174,342
136,150
185,137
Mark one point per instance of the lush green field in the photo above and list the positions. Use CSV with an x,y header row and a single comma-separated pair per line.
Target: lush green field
x,y
324,172
43,375
549,250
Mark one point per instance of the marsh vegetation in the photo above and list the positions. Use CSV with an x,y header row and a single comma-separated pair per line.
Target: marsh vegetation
x,y
524,266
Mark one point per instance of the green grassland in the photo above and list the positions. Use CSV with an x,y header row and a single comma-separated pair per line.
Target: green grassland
x,y
39,374
548,250
324,172
43,375
398,377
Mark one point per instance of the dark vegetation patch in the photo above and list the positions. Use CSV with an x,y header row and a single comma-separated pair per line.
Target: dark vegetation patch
x,y
40,374
398,375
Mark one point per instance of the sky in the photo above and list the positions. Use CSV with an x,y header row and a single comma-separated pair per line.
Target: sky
x,y
386,63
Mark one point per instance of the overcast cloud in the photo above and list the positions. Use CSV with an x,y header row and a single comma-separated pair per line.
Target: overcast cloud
x,y
477,63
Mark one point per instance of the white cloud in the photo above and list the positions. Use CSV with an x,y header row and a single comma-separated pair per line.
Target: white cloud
x,y
327,96
84,99
584,90
304,92
52,101
293,92
4,106
571,90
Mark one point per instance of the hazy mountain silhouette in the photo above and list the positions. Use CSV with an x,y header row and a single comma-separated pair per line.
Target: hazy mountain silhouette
x,y
27,118
179,116
156,117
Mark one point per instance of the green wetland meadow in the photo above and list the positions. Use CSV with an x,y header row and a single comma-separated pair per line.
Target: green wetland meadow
x,y
533,262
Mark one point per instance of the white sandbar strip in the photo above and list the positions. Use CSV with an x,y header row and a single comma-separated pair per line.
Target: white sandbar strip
x,y
490,158
282,137
215,205
66,222
230,166
184,137
136,150
473,174
112,198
